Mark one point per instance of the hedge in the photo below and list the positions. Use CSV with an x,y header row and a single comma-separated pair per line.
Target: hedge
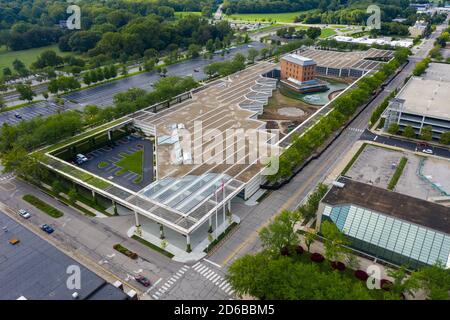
x,y
397,174
44,207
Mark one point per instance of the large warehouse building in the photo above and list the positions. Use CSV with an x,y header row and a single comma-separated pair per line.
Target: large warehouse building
x,y
387,225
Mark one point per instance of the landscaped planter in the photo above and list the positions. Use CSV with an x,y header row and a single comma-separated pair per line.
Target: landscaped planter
x,y
284,251
338,265
361,275
385,284
317,257
299,250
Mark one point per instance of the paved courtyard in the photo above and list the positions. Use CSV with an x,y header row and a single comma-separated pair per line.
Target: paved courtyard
x,y
110,157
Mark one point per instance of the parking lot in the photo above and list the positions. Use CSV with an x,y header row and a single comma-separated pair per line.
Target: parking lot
x,y
107,163
421,175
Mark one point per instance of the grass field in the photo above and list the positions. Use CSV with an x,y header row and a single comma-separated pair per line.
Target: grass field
x,y
327,32
181,14
27,56
132,162
266,17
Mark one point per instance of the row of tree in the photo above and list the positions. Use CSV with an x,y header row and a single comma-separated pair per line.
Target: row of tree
x,y
63,84
100,74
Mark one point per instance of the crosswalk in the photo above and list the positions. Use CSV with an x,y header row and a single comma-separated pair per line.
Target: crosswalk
x,y
356,130
170,282
212,276
5,177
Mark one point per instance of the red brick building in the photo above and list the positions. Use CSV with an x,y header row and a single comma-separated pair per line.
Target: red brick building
x,y
298,67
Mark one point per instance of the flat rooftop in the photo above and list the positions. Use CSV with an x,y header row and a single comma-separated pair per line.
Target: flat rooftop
x,y
438,72
35,269
298,59
361,60
426,97
421,212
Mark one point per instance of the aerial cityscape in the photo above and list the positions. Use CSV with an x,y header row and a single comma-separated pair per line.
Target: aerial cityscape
x,y
224,150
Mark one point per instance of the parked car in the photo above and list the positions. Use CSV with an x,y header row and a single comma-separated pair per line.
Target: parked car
x,y
196,70
142,280
82,157
47,228
428,151
18,116
24,214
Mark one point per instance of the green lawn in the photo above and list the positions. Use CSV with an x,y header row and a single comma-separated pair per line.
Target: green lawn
x,y
132,162
327,32
266,17
26,56
181,14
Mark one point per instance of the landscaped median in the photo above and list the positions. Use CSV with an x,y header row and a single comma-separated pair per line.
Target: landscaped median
x,y
152,246
41,205
125,251
398,173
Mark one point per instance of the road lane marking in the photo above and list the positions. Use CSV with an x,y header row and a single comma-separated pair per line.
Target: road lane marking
x,y
213,263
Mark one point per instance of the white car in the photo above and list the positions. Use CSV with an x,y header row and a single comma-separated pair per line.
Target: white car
x,y
82,157
24,214
428,151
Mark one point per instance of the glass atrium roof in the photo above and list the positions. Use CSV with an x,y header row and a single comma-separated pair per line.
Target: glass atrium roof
x,y
399,236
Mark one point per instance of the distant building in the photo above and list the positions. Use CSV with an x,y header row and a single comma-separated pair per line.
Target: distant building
x,y
32,269
420,103
390,226
418,29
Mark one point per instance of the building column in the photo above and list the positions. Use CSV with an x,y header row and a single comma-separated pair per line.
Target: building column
x,y
115,208
138,230
161,231
94,198
188,243
109,135
210,224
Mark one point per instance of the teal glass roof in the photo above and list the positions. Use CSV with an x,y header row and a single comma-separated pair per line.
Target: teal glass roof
x,y
402,237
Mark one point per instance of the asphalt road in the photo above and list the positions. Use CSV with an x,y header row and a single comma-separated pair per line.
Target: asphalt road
x,y
103,95
401,143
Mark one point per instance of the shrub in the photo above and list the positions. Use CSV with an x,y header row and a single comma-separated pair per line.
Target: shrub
x,y
361,275
299,250
317,257
125,251
284,251
338,265
385,284
44,207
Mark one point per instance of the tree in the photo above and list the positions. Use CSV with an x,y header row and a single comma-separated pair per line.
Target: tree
x,y
445,138
264,53
48,58
57,187
309,239
73,195
25,91
409,132
194,50
313,32
7,72
280,232
252,53
426,133
2,102
20,67
149,65
401,284
334,242
393,128
87,78
435,280
45,95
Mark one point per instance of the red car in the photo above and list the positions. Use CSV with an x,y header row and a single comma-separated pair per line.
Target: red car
x,y
142,280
